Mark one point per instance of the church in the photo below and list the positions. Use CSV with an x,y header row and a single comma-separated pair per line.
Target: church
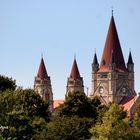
x,y
112,78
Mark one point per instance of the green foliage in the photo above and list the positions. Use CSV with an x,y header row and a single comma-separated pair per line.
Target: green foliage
x,y
135,123
78,104
7,83
114,125
136,120
74,118
24,113
69,128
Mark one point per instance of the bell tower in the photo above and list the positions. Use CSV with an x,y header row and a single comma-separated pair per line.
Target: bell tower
x,y
42,84
75,81
112,80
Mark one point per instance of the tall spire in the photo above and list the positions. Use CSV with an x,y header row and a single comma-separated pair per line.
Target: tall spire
x,y
112,44
130,60
75,72
42,73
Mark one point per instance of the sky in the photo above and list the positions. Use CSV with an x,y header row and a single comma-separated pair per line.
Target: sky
x,y
60,29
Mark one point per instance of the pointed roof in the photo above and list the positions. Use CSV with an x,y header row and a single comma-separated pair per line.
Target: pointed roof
x,y
130,60
42,73
74,71
112,44
95,60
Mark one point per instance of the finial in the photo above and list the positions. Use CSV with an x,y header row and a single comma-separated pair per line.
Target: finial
x,y
75,56
129,49
112,10
41,55
95,50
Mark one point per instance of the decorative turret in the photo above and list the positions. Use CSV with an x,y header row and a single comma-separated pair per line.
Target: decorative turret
x,y
74,82
130,63
42,84
95,64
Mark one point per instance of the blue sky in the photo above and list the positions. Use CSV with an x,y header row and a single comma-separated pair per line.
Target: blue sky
x,y
59,29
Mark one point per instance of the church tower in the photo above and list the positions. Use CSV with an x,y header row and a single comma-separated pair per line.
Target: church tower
x,y
74,82
112,80
42,84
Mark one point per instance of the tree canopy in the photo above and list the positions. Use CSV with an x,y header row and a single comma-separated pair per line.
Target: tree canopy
x,y
114,125
24,113
74,118
7,83
78,104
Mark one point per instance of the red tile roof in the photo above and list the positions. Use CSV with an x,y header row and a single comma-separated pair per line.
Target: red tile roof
x,y
130,103
57,103
75,72
42,73
112,44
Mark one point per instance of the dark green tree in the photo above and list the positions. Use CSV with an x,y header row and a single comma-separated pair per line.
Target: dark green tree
x,y
7,83
78,104
24,113
68,128
74,118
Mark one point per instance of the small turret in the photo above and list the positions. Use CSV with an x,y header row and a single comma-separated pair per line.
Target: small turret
x,y
95,64
130,63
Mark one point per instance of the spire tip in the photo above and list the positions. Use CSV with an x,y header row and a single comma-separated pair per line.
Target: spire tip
x,y
75,56
112,10
41,55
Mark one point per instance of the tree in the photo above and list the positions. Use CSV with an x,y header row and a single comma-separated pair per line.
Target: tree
x,y
78,104
68,128
135,123
114,126
74,118
7,83
24,113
